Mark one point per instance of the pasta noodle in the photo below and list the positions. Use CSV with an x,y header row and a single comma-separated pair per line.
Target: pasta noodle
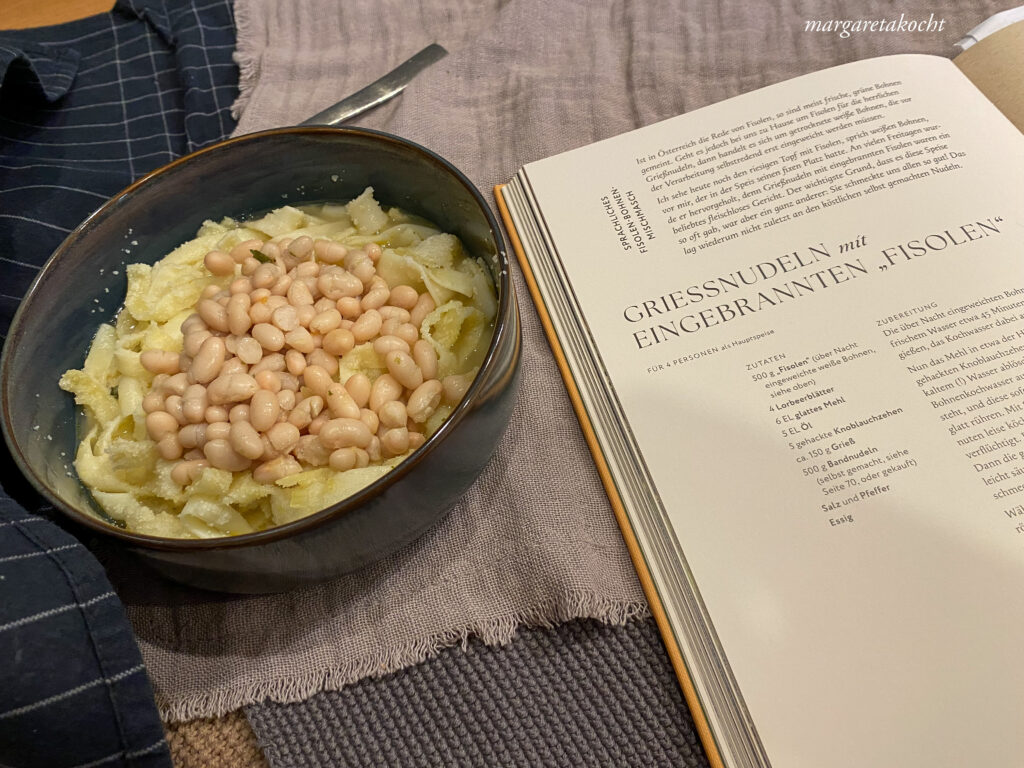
x,y
130,478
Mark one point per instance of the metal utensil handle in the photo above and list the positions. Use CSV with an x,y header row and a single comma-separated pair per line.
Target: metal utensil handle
x,y
380,90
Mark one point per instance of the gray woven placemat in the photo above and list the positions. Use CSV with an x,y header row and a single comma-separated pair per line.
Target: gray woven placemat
x,y
581,694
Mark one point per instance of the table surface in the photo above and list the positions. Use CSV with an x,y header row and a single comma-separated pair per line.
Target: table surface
x,y
21,14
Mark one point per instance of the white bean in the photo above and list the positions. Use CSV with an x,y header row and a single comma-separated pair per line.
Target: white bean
x,y
384,389
246,440
409,332
425,355
373,449
244,250
455,387
389,312
286,399
384,344
264,409
169,448
233,365
193,323
265,275
221,455
239,320
215,413
153,401
260,311
219,263
218,430
208,361
306,314
318,422
335,283
424,306
269,336
240,285
300,339
232,388
215,315
306,410
283,436
239,412
273,362
271,471
175,384
389,326
186,472
370,419
340,341
349,307
286,318
194,404
324,359
311,451
392,414
299,294
395,442
175,406
330,252
192,435
159,361
404,296
159,424
358,386
317,379
364,270
343,459
193,341
340,402
249,350
281,287
343,433
326,321
295,362
367,326
404,369
424,401
301,246
377,297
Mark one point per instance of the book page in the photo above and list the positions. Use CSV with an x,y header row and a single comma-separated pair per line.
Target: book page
x,y
994,65
809,301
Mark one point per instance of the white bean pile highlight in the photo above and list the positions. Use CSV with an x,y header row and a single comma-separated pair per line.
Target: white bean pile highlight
x,y
255,385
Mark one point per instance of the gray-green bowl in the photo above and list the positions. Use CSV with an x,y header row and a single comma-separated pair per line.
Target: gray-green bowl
x,y
55,323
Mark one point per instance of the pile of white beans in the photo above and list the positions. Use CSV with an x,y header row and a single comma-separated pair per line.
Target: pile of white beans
x,y
255,386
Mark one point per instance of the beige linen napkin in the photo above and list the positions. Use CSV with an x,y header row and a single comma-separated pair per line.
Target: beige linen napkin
x,y
534,540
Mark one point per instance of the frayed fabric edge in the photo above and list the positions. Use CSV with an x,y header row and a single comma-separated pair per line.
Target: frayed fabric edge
x,y
247,59
499,630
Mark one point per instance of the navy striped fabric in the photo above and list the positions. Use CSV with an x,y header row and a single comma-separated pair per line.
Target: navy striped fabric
x,y
86,108
151,81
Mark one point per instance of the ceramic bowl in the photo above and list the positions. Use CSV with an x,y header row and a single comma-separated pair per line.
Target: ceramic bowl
x,y
241,177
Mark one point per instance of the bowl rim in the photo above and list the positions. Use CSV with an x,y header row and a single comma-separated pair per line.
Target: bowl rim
x,y
324,516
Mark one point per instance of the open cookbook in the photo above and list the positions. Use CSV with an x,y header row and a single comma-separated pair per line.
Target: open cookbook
x,y
792,325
